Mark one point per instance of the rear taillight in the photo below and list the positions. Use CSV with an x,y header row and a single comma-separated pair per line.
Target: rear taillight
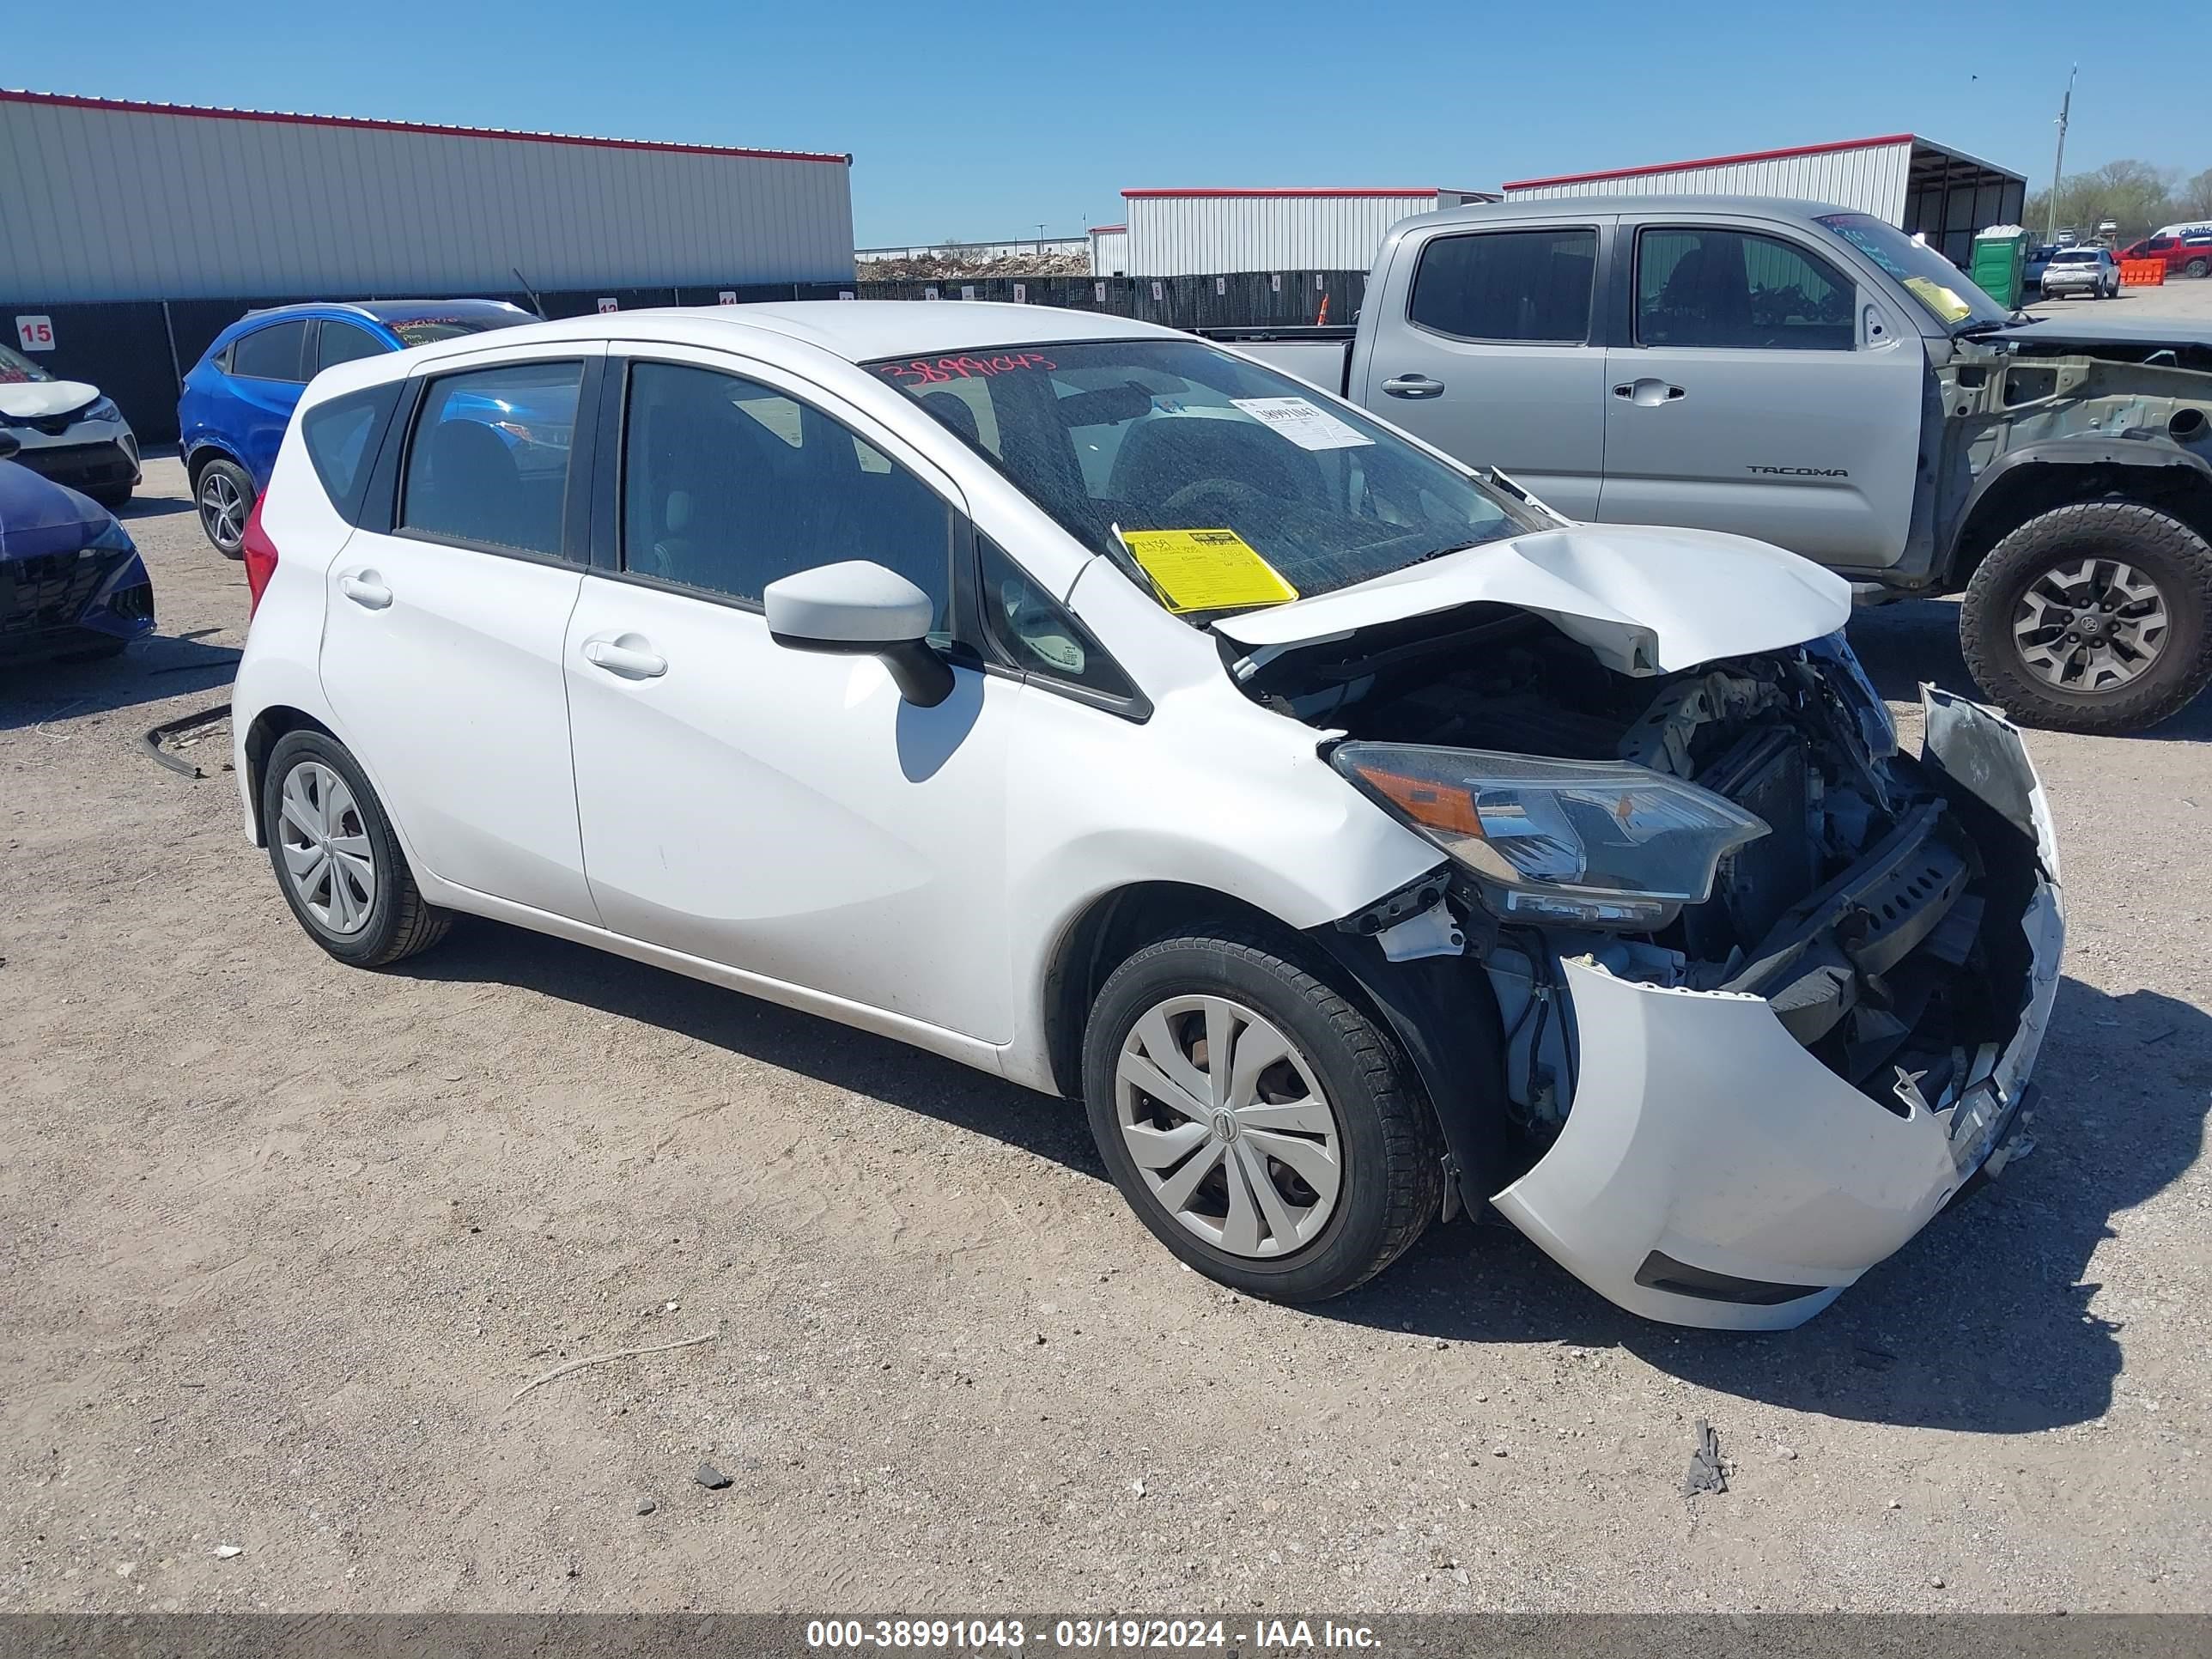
x,y
260,555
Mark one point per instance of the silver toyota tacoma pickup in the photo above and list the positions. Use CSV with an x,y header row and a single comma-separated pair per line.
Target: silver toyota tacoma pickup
x,y
1812,377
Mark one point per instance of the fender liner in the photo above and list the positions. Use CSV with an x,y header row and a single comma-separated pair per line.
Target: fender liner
x,y
2087,449
1445,1016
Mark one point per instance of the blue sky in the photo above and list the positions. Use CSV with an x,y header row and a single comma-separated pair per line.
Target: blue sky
x,y
984,119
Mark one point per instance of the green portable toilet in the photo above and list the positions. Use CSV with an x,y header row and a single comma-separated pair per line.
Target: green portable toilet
x,y
2000,263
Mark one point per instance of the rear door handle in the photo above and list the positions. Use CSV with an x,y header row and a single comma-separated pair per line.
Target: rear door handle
x,y
1649,394
1413,386
630,656
367,590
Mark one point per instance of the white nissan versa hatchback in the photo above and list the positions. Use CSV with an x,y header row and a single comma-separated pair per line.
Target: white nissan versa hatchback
x,y
1358,839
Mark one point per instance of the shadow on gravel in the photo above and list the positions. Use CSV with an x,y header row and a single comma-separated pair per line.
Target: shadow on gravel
x,y
1901,645
151,670
481,952
1981,1324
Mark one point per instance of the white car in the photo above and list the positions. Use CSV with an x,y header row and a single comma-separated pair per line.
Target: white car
x,y
2088,269
67,430
1101,709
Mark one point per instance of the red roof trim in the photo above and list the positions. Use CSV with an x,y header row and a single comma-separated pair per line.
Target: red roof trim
x,y
1714,161
1143,195
1106,230
68,101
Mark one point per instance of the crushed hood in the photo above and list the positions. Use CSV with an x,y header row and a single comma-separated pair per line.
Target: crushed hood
x,y
1644,600
34,400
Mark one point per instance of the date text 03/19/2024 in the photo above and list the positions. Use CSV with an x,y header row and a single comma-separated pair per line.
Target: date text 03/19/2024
x,y
1127,1635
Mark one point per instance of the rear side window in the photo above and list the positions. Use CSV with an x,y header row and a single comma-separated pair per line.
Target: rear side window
x,y
340,436
1737,291
1528,286
489,466
342,343
270,354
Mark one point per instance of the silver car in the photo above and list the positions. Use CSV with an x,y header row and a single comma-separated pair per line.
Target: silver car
x,y
2075,270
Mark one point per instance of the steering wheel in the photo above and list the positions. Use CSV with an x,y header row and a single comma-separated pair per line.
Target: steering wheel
x,y
1216,501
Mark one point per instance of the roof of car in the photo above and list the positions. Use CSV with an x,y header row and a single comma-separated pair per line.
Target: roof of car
x,y
388,311
1528,207
858,330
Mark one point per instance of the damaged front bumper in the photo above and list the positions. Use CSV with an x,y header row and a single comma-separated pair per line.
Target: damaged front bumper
x,y
1712,1172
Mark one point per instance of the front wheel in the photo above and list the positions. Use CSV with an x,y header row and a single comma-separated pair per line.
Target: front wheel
x,y
1262,1126
2092,618
337,859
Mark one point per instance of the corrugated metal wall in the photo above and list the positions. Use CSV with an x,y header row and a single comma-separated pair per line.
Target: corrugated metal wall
x,y
1871,180
1179,235
1109,253
101,203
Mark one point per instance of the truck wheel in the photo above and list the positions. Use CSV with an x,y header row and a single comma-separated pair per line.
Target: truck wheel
x,y
1265,1129
2092,618
2196,268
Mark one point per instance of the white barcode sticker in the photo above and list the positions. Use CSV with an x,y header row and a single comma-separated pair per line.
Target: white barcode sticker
x,y
1307,425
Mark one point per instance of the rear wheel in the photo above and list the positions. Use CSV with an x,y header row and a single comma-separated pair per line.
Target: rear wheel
x,y
335,857
2196,268
2092,618
224,496
1263,1127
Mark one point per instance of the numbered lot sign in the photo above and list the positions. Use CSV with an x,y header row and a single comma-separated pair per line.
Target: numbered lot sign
x,y
729,297
606,306
35,333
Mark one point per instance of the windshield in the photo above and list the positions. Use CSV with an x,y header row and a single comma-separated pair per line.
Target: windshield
x,y
1947,293
16,368
1213,483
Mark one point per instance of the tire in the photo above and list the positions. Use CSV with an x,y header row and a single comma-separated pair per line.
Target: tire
x,y
2196,268
104,648
2160,551
1382,1142
396,920
218,516
114,500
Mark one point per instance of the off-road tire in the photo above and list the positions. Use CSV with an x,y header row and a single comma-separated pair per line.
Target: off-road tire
x,y
1392,1184
401,921
2157,544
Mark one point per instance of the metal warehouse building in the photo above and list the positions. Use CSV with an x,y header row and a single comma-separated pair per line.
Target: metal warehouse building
x,y
1918,186
104,200
1188,232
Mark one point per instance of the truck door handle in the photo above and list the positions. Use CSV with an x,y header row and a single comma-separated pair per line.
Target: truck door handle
x,y
1413,386
630,656
1648,393
367,590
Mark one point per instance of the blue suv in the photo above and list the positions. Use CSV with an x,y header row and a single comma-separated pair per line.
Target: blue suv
x,y
239,397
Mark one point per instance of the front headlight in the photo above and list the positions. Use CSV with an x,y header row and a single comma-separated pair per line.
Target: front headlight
x,y
1598,842
112,538
101,409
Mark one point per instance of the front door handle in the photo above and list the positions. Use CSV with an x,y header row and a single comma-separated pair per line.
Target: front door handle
x,y
1413,386
630,656
1648,393
366,589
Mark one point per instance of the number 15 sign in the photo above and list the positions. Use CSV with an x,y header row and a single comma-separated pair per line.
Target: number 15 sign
x,y
35,333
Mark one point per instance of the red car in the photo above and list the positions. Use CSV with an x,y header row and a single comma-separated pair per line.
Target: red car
x,y
2189,255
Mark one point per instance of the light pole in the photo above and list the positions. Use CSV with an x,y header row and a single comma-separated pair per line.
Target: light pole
x,y
2058,167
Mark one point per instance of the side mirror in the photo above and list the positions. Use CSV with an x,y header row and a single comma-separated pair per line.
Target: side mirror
x,y
859,609
9,443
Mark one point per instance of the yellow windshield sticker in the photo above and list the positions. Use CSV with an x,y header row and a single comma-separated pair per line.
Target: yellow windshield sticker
x,y
1206,569
1944,302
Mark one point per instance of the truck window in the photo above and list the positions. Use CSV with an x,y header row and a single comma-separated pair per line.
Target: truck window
x,y
1526,286
1734,289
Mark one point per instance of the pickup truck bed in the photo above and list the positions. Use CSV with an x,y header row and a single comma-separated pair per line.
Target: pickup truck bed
x,y
1319,355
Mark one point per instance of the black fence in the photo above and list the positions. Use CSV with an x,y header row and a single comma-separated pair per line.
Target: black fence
x,y
138,351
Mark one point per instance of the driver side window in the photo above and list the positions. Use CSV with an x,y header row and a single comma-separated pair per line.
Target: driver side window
x,y
728,484
1738,290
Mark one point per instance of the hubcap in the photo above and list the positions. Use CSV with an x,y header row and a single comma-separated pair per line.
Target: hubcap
x,y
222,510
2094,625
1229,1126
325,848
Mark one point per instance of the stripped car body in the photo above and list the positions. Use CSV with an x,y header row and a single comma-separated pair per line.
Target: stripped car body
x,y
1794,1073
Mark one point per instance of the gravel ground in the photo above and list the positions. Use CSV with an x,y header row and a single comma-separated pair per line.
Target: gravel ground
x,y
279,1241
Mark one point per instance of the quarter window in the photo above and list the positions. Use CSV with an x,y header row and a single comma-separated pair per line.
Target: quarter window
x,y
270,354
341,439
1526,286
490,461
1736,290
342,343
1035,634
728,484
